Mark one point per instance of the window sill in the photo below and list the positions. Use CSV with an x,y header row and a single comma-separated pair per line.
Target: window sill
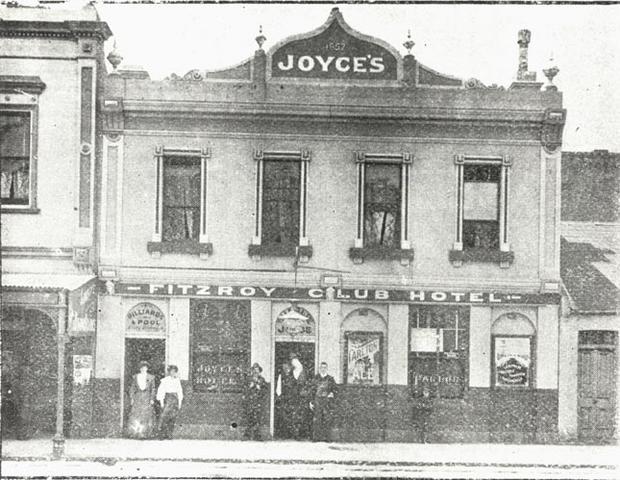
x,y
481,255
188,247
358,255
258,251
26,211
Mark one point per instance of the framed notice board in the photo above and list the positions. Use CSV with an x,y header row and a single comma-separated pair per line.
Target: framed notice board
x,y
220,345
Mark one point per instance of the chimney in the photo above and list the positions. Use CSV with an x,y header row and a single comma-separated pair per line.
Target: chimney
x,y
525,79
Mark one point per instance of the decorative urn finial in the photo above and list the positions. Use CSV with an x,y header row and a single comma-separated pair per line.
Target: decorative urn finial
x,y
260,39
408,44
550,72
115,58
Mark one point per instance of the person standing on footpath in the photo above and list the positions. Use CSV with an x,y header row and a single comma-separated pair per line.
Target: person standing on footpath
x,y
324,387
170,396
141,422
284,392
254,400
299,400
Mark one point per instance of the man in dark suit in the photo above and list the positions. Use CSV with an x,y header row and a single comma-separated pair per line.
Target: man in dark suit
x,y
324,389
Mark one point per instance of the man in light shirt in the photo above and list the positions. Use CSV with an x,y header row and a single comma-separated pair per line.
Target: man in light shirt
x,y
170,397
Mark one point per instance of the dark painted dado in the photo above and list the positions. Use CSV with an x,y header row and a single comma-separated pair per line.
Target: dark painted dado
x,y
106,407
482,415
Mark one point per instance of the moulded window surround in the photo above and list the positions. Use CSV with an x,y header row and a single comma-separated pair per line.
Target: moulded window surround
x,y
181,202
483,237
18,159
280,228
382,231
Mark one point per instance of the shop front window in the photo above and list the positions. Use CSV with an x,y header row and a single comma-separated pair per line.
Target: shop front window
x,y
220,336
364,353
512,344
438,350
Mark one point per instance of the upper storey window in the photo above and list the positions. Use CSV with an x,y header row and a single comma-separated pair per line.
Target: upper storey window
x,y
481,206
482,211
281,188
281,205
15,158
181,202
382,207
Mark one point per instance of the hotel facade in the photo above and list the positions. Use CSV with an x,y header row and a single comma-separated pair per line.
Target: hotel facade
x,y
333,198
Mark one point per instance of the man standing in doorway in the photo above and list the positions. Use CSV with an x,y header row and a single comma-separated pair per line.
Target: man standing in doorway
x,y
324,387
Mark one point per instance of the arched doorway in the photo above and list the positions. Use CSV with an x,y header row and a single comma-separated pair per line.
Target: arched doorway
x,y
295,333
29,373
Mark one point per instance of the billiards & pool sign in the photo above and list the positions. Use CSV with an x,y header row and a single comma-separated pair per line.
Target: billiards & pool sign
x,y
334,51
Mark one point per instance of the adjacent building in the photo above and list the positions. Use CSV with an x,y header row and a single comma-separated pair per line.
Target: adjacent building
x,y
589,373
333,198
51,76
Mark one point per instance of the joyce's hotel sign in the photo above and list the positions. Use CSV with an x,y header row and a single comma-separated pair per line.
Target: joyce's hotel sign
x,y
334,51
338,294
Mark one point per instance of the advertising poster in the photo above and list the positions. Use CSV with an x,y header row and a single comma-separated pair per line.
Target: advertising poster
x,y
82,369
512,361
364,362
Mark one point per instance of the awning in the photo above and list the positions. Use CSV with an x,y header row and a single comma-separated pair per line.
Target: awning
x,y
44,281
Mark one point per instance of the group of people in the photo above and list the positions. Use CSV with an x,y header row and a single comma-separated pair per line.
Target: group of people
x,y
303,405
142,421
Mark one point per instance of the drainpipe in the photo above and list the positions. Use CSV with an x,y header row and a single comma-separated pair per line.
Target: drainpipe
x,y
58,442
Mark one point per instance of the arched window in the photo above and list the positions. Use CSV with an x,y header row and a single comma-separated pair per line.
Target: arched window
x,y
363,335
513,337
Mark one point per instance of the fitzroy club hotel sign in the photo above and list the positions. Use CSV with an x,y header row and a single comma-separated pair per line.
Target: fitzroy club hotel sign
x,y
334,53
338,294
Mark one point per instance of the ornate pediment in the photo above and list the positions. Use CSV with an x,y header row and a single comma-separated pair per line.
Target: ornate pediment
x,y
334,51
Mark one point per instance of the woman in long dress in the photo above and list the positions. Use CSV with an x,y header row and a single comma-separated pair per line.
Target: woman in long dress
x,y
141,421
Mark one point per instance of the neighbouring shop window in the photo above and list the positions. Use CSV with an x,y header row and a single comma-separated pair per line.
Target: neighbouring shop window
x,y
481,187
281,202
364,358
382,205
512,361
15,137
363,348
438,350
220,340
181,199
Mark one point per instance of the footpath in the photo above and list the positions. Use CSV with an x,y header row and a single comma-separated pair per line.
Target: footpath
x,y
113,458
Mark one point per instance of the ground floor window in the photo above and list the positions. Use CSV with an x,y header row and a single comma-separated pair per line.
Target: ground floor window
x,y
512,345
363,348
438,350
220,345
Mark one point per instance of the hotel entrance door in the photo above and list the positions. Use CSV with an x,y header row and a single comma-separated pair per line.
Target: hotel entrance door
x,y
284,409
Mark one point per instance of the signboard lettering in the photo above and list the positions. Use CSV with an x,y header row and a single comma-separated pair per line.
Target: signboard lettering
x,y
334,53
441,377
295,324
145,318
346,294
364,358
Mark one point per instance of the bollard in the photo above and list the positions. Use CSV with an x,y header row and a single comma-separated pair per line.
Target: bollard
x,y
58,447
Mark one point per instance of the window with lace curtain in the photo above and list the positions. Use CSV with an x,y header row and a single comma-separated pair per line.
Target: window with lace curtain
x,y
181,199
15,157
